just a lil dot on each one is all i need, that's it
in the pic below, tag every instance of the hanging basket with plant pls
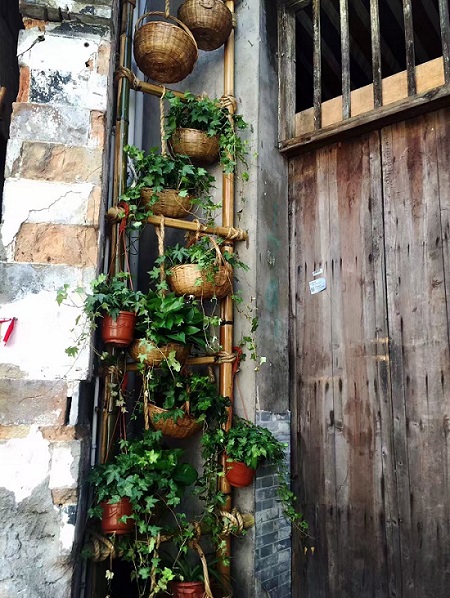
(210, 22)
(163, 185)
(165, 52)
(193, 118)
(200, 269)
(181, 403)
(170, 326)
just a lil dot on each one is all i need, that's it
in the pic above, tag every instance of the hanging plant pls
(200, 269)
(164, 185)
(212, 118)
(170, 326)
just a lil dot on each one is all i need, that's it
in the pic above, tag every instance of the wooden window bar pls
(376, 54)
(409, 46)
(445, 37)
(345, 53)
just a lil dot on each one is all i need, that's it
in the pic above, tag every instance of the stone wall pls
(53, 203)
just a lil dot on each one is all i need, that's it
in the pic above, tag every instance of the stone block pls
(97, 133)
(57, 244)
(60, 163)
(26, 402)
(95, 11)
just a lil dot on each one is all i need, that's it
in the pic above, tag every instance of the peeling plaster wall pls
(50, 235)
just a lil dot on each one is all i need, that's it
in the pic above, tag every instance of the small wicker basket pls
(183, 427)
(188, 279)
(141, 350)
(196, 144)
(210, 21)
(169, 203)
(164, 52)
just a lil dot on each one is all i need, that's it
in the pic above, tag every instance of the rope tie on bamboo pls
(233, 523)
(225, 357)
(161, 123)
(228, 101)
(101, 546)
(145, 378)
(235, 234)
(160, 233)
(167, 3)
(123, 72)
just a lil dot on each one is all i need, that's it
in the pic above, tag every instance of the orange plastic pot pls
(111, 515)
(238, 474)
(188, 589)
(119, 332)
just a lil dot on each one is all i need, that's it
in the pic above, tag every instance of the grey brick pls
(266, 550)
(266, 539)
(282, 591)
(265, 493)
(265, 481)
(284, 556)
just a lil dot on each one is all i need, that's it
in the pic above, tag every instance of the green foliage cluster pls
(173, 390)
(202, 254)
(157, 172)
(253, 445)
(210, 116)
(168, 318)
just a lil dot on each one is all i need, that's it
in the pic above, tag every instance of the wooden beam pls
(429, 75)
(376, 119)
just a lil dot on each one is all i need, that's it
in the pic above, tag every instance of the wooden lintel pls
(376, 119)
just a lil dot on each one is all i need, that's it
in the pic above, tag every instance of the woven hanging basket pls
(210, 21)
(169, 203)
(196, 144)
(184, 427)
(153, 356)
(164, 52)
(188, 279)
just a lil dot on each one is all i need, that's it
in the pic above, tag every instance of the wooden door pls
(371, 378)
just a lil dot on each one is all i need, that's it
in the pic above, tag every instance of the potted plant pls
(170, 326)
(164, 185)
(114, 303)
(210, 21)
(204, 129)
(246, 446)
(189, 578)
(200, 269)
(141, 478)
(181, 403)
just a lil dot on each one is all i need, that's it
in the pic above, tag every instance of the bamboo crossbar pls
(148, 88)
(227, 232)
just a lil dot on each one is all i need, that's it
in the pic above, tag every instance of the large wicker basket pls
(164, 52)
(210, 21)
(188, 279)
(196, 144)
(141, 350)
(183, 427)
(169, 203)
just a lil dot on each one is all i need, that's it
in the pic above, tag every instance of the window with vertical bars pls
(354, 56)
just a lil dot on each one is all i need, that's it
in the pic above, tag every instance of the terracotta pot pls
(188, 589)
(238, 474)
(111, 515)
(119, 332)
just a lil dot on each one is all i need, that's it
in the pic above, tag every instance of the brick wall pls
(273, 531)
(50, 234)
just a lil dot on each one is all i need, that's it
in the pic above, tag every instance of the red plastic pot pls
(188, 589)
(111, 515)
(119, 332)
(238, 474)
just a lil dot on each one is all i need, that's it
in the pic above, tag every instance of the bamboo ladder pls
(126, 81)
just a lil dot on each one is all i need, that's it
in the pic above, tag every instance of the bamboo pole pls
(227, 232)
(227, 311)
(119, 182)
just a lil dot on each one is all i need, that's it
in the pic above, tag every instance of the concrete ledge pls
(95, 11)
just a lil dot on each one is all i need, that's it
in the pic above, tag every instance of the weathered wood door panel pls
(372, 401)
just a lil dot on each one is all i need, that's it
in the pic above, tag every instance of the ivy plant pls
(212, 117)
(157, 172)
